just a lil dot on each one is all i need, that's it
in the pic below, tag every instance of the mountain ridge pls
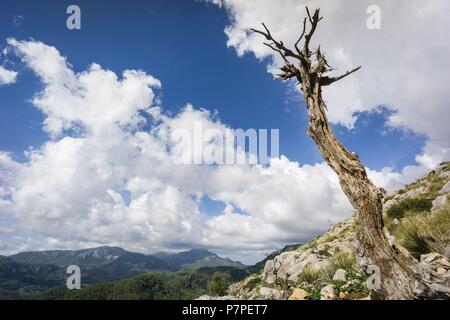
(30, 272)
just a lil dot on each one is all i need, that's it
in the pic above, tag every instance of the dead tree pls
(401, 277)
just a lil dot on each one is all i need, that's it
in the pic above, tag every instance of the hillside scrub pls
(421, 234)
(399, 210)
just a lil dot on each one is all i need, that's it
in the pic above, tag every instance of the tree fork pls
(401, 276)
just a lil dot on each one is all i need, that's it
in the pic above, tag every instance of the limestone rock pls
(327, 293)
(445, 189)
(340, 237)
(443, 262)
(445, 174)
(441, 271)
(270, 293)
(411, 193)
(340, 275)
(430, 257)
(436, 262)
(439, 202)
(389, 203)
(299, 294)
(447, 251)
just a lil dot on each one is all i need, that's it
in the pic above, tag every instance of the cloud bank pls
(107, 175)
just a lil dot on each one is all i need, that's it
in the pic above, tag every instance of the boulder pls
(291, 264)
(411, 193)
(430, 257)
(342, 295)
(340, 275)
(443, 262)
(447, 251)
(441, 271)
(299, 294)
(439, 202)
(440, 288)
(436, 261)
(316, 255)
(327, 293)
(270, 293)
(445, 174)
(388, 204)
(445, 189)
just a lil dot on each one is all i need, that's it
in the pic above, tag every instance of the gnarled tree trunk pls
(401, 277)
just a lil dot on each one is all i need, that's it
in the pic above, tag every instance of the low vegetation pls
(155, 285)
(309, 275)
(219, 283)
(344, 261)
(412, 205)
(421, 234)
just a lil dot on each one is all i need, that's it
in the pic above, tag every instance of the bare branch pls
(289, 71)
(309, 15)
(282, 54)
(301, 36)
(325, 81)
(278, 46)
(314, 20)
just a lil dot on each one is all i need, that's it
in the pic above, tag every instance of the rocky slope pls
(418, 216)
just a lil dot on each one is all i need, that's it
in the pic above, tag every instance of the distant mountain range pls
(113, 258)
(196, 258)
(35, 271)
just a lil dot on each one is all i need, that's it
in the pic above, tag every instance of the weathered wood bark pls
(401, 277)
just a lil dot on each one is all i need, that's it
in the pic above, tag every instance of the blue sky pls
(184, 44)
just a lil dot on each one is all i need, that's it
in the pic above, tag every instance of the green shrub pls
(409, 205)
(436, 184)
(412, 239)
(218, 284)
(344, 261)
(309, 275)
(314, 291)
(425, 233)
(253, 283)
(355, 286)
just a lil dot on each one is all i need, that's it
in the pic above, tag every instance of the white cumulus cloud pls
(7, 76)
(102, 178)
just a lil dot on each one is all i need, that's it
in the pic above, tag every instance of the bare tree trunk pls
(401, 277)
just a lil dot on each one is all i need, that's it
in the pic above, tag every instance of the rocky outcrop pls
(439, 202)
(299, 294)
(340, 275)
(327, 293)
(325, 267)
(314, 255)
